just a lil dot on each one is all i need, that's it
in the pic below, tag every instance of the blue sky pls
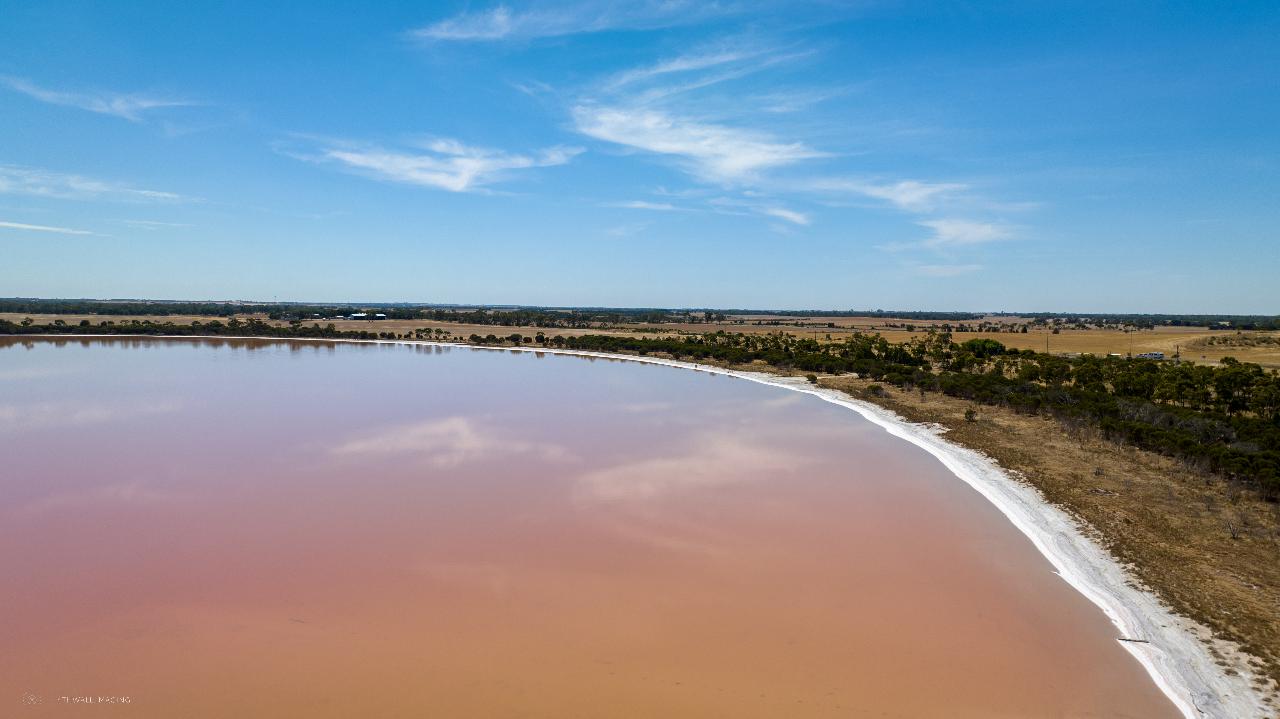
(949, 155)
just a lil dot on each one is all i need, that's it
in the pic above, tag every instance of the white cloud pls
(446, 443)
(153, 224)
(492, 24)
(447, 164)
(689, 62)
(712, 152)
(954, 232)
(909, 195)
(798, 218)
(58, 415)
(787, 101)
(44, 183)
(626, 230)
(704, 68)
(501, 22)
(645, 205)
(658, 108)
(43, 228)
(944, 270)
(749, 204)
(128, 106)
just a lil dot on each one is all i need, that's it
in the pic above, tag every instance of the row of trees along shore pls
(552, 317)
(1224, 419)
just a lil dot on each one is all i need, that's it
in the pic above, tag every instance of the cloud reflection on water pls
(60, 414)
(447, 442)
(133, 492)
(712, 460)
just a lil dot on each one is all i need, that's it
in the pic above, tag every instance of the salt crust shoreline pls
(1168, 647)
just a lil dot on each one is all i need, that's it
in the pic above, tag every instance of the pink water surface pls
(256, 529)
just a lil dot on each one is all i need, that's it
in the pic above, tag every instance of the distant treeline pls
(514, 317)
(517, 316)
(1239, 322)
(233, 327)
(878, 314)
(122, 307)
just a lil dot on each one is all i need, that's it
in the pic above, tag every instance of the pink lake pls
(275, 529)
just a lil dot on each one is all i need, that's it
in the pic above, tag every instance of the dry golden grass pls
(1189, 341)
(1169, 340)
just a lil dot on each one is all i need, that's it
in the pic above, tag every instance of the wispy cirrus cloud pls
(944, 270)
(752, 204)
(154, 224)
(22, 226)
(788, 101)
(658, 108)
(501, 22)
(441, 163)
(130, 106)
(949, 236)
(645, 205)
(691, 108)
(58, 415)
(699, 60)
(711, 151)
(18, 180)
(782, 213)
(908, 195)
(492, 24)
(703, 67)
(952, 232)
(626, 230)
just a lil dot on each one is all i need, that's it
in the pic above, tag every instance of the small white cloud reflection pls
(494, 578)
(447, 443)
(646, 407)
(57, 415)
(117, 494)
(786, 399)
(714, 460)
(29, 373)
(667, 534)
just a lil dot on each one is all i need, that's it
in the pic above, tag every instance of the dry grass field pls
(1190, 342)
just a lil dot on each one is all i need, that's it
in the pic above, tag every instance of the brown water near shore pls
(257, 529)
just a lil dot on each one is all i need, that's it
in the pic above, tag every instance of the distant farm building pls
(1151, 355)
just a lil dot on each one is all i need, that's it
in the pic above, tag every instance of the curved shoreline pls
(1168, 646)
